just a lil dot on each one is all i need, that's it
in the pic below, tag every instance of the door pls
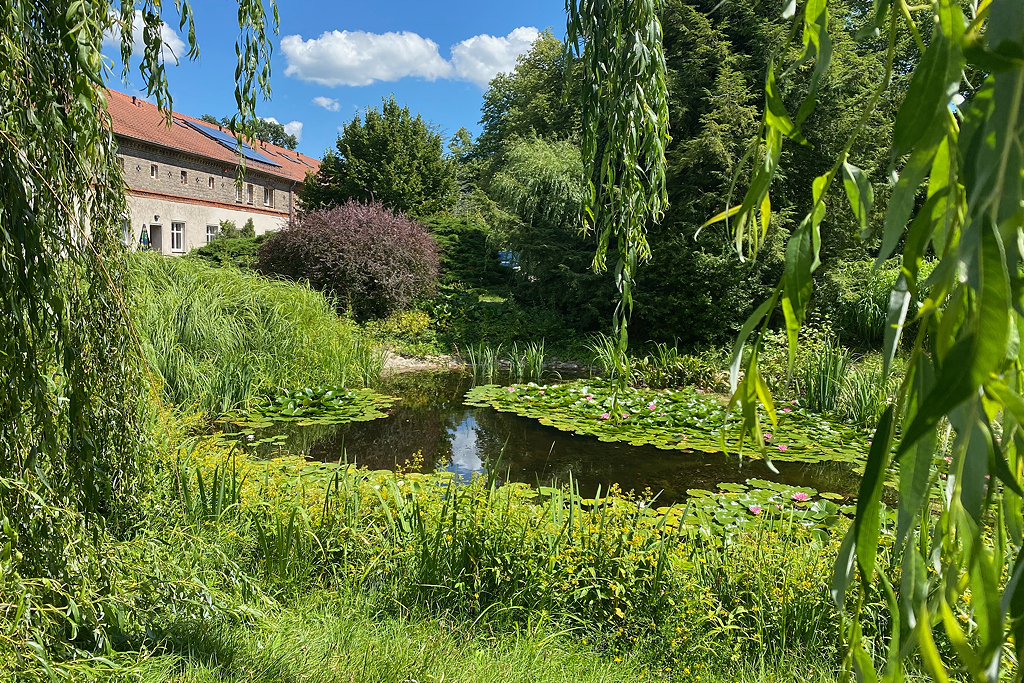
(156, 238)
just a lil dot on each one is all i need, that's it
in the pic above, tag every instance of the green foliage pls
(248, 230)
(264, 130)
(625, 131)
(389, 157)
(531, 100)
(222, 338)
(229, 251)
(540, 187)
(854, 298)
(467, 255)
(671, 419)
(966, 365)
(484, 360)
(74, 417)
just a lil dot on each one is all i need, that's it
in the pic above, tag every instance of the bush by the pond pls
(219, 338)
(370, 258)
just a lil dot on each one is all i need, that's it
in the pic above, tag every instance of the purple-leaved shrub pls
(371, 259)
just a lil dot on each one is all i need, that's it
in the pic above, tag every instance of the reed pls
(484, 360)
(824, 377)
(219, 338)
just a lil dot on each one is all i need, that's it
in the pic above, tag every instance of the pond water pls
(430, 429)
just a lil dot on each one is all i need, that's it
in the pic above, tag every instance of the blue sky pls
(434, 56)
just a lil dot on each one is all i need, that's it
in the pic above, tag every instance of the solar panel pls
(231, 143)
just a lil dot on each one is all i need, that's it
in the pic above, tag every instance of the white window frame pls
(154, 171)
(238, 194)
(177, 236)
(248, 193)
(126, 233)
(211, 232)
(268, 196)
(209, 183)
(184, 177)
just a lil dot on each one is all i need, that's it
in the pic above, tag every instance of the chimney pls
(133, 99)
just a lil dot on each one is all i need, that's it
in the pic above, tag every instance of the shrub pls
(854, 298)
(230, 251)
(373, 260)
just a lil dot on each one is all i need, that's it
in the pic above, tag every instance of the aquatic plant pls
(323, 405)
(671, 419)
(484, 361)
(824, 377)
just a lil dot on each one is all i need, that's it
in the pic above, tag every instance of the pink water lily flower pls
(605, 416)
(787, 410)
(801, 497)
(767, 436)
(651, 406)
(624, 415)
(512, 389)
(756, 509)
(783, 446)
(541, 392)
(589, 397)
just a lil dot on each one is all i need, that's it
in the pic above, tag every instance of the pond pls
(430, 428)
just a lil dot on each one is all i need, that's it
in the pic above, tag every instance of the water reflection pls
(430, 429)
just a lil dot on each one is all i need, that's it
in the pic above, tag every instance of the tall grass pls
(221, 337)
(526, 363)
(824, 378)
(484, 360)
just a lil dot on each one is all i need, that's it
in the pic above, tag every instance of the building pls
(181, 178)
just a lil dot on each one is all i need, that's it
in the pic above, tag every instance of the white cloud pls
(327, 103)
(174, 47)
(481, 58)
(294, 128)
(291, 128)
(360, 58)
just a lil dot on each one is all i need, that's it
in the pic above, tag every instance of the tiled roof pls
(138, 119)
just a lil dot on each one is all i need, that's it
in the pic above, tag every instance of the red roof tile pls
(140, 120)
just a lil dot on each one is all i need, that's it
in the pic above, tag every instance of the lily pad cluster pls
(324, 405)
(672, 419)
(734, 506)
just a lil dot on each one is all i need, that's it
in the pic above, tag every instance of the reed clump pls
(218, 338)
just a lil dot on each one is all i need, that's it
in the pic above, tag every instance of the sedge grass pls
(220, 337)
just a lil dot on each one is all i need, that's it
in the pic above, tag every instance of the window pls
(238, 193)
(153, 171)
(184, 177)
(211, 232)
(177, 237)
(248, 193)
(120, 160)
(126, 232)
(209, 184)
(268, 196)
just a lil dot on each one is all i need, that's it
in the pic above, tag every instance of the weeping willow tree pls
(625, 131)
(957, 197)
(73, 435)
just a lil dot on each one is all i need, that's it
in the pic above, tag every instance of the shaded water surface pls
(429, 429)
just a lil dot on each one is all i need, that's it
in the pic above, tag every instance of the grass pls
(218, 338)
(337, 637)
